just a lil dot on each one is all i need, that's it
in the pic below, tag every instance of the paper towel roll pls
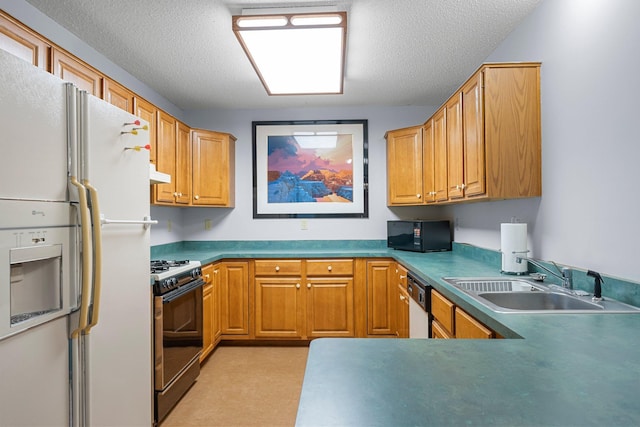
(513, 238)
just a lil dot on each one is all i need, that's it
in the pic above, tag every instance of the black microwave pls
(419, 236)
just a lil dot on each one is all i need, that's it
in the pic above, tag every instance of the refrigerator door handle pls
(97, 256)
(146, 221)
(87, 270)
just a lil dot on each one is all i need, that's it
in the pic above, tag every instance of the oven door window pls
(181, 333)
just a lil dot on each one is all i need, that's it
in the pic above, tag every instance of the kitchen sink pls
(520, 295)
(538, 301)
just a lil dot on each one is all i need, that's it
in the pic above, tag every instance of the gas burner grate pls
(158, 266)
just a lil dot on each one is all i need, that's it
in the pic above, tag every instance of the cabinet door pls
(381, 292)
(207, 322)
(440, 155)
(166, 157)
(330, 311)
(183, 165)
(429, 163)
(215, 295)
(404, 166)
(147, 111)
(279, 307)
(213, 171)
(207, 312)
(72, 70)
(473, 134)
(402, 314)
(468, 327)
(118, 95)
(234, 298)
(23, 43)
(455, 171)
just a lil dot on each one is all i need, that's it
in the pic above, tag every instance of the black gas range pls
(168, 275)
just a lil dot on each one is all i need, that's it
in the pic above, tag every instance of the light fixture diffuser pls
(295, 54)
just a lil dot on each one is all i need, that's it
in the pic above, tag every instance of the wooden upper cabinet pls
(455, 175)
(147, 111)
(213, 168)
(440, 155)
(70, 69)
(166, 158)
(24, 43)
(428, 163)
(512, 130)
(118, 95)
(404, 166)
(183, 164)
(486, 140)
(473, 133)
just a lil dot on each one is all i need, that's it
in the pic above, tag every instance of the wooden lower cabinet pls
(381, 293)
(450, 321)
(402, 312)
(279, 307)
(210, 309)
(330, 310)
(304, 299)
(468, 327)
(234, 299)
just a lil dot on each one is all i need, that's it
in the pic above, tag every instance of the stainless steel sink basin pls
(520, 295)
(538, 301)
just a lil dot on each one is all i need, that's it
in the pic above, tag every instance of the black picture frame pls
(335, 199)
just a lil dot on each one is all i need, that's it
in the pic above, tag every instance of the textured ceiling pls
(399, 52)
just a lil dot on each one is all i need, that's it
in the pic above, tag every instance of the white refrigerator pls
(75, 294)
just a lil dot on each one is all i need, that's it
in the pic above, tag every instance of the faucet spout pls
(566, 274)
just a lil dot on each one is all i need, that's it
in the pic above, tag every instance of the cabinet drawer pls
(468, 327)
(207, 274)
(437, 331)
(280, 267)
(333, 267)
(443, 311)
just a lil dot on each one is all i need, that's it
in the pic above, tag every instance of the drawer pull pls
(297, 285)
(308, 285)
(329, 268)
(277, 268)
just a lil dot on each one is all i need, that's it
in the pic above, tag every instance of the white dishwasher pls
(419, 304)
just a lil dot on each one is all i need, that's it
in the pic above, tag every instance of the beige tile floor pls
(244, 386)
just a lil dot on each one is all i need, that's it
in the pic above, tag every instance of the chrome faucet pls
(566, 274)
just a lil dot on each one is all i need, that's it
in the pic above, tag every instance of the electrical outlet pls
(169, 225)
(207, 224)
(304, 225)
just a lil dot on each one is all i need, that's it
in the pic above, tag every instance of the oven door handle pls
(182, 290)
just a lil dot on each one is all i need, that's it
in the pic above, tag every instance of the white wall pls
(588, 215)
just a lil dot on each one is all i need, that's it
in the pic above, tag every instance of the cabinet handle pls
(196, 197)
(308, 285)
(329, 268)
(403, 277)
(206, 277)
(432, 193)
(175, 194)
(297, 285)
(402, 297)
(277, 268)
(418, 196)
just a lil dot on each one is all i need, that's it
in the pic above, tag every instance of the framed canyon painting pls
(310, 169)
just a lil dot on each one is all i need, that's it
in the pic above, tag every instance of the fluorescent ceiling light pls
(295, 54)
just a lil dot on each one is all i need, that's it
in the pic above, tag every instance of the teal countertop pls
(559, 370)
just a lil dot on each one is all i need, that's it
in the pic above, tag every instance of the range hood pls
(156, 177)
